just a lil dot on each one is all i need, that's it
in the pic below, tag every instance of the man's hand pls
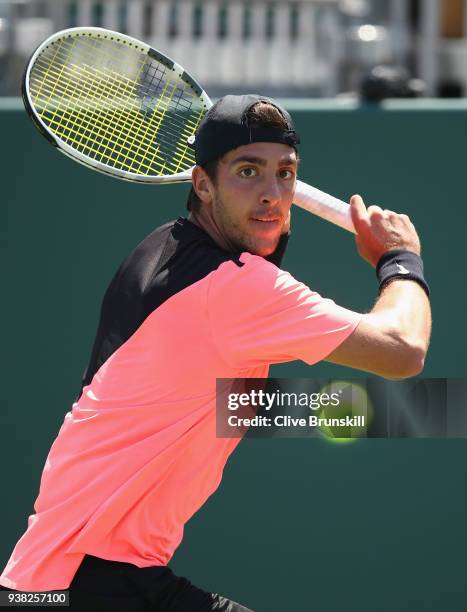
(379, 231)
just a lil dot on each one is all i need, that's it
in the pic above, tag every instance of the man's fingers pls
(376, 211)
(358, 212)
(378, 230)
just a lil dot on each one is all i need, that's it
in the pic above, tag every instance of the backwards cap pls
(225, 127)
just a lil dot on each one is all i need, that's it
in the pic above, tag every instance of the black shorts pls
(112, 586)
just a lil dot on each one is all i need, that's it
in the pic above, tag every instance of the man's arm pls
(391, 340)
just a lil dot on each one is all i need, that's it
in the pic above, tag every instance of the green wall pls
(296, 524)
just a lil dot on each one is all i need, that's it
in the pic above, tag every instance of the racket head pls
(115, 104)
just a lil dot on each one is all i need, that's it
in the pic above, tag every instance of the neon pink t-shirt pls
(137, 455)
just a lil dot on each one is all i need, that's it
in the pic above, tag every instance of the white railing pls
(286, 46)
(235, 43)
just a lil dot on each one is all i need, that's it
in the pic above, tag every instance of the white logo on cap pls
(191, 139)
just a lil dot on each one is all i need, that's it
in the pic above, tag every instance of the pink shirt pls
(137, 455)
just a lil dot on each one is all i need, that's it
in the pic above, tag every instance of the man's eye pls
(248, 172)
(286, 174)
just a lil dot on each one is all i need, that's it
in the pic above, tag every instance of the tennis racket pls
(122, 108)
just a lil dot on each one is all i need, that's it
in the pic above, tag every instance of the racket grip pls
(323, 205)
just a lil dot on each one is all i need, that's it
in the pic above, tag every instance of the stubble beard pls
(238, 238)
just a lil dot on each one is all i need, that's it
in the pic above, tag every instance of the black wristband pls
(403, 265)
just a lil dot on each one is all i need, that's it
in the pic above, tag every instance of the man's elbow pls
(409, 362)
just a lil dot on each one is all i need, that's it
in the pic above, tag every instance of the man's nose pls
(271, 193)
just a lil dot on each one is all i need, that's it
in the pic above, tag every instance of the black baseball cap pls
(225, 127)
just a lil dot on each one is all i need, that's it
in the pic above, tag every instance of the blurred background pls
(304, 48)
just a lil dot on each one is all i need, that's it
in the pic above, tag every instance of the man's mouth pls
(266, 219)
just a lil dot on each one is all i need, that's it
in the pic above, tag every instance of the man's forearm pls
(391, 340)
(406, 305)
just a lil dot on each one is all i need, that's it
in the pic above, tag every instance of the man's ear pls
(202, 185)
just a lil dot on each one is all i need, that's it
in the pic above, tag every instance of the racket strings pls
(83, 127)
(120, 103)
(78, 97)
(116, 105)
(134, 134)
(110, 85)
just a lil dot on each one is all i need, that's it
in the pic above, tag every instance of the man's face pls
(252, 197)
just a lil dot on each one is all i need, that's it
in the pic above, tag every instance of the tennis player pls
(200, 298)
